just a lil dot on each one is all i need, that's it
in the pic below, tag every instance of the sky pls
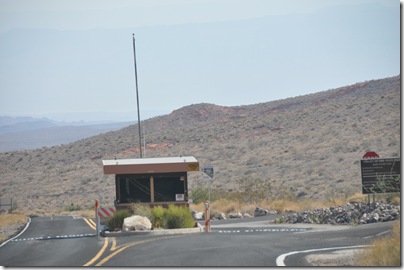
(73, 60)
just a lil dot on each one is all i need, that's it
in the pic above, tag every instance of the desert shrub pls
(115, 222)
(157, 218)
(73, 207)
(392, 198)
(13, 208)
(253, 190)
(226, 205)
(199, 195)
(357, 197)
(384, 251)
(177, 217)
(141, 210)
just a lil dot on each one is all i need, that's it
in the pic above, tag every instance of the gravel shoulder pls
(344, 257)
(265, 223)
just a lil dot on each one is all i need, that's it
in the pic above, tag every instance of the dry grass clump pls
(384, 252)
(295, 205)
(281, 205)
(12, 221)
(357, 197)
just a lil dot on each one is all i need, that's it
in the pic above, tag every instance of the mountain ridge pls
(24, 133)
(306, 147)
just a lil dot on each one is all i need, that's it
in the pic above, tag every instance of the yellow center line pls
(92, 222)
(123, 247)
(89, 224)
(99, 254)
(113, 247)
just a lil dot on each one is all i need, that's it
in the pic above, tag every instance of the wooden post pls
(151, 189)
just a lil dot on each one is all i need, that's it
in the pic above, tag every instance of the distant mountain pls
(23, 133)
(305, 147)
(18, 124)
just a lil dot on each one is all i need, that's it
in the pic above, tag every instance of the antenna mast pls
(137, 97)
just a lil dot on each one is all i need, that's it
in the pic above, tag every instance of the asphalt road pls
(71, 241)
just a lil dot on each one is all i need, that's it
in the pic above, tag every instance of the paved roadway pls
(71, 241)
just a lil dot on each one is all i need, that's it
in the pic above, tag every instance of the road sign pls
(371, 155)
(208, 172)
(380, 175)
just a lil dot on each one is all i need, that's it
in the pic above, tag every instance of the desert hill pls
(306, 146)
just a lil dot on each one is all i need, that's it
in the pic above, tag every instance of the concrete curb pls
(153, 232)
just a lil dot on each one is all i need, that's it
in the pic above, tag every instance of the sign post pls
(207, 217)
(208, 174)
(97, 219)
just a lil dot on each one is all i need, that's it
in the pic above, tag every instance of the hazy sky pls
(73, 60)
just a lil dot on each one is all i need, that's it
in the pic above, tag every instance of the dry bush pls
(10, 219)
(227, 206)
(280, 205)
(357, 197)
(384, 252)
(9, 223)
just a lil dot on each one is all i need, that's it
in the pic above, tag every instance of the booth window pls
(135, 188)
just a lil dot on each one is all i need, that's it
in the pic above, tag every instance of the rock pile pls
(355, 213)
(220, 215)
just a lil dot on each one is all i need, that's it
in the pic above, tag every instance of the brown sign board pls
(380, 175)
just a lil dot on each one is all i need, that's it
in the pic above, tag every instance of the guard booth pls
(152, 181)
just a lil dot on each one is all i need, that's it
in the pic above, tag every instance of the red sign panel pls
(371, 155)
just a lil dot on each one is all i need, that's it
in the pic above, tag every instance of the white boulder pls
(136, 223)
(198, 216)
(235, 215)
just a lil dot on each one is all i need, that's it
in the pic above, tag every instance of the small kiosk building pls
(153, 181)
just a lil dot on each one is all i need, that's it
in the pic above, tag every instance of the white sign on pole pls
(208, 172)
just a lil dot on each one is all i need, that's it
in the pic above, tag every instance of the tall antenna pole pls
(137, 96)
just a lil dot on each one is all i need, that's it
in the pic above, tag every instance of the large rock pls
(260, 212)
(198, 215)
(235, 215)
(220, 215)
(136, 223)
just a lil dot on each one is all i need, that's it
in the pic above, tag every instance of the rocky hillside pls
(307, 146)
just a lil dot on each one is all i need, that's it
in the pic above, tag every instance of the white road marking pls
(54, 237)
(296, 230)
(280, 260)
(379, 234)
(11, 239)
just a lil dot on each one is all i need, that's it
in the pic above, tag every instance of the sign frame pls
(381, 175)
(208, 172)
